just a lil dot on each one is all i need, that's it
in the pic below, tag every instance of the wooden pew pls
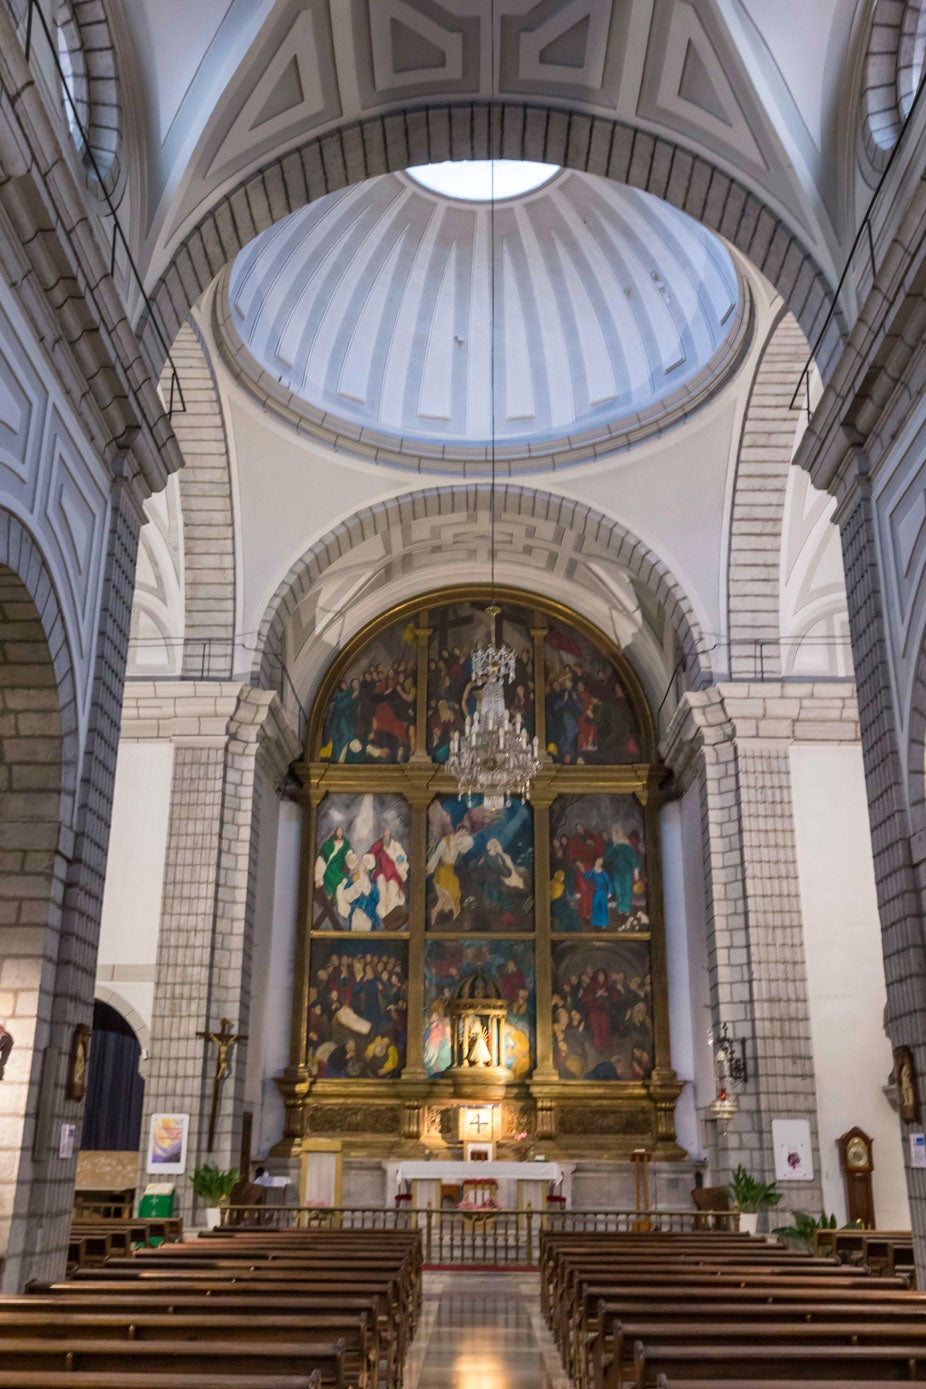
(113, 1379)
(722, 1363)
(175, 1357)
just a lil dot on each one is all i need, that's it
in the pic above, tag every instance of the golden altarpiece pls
(408, 891)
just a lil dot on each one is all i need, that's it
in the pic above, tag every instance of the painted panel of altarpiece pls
(480, 869)
(511, 963)
(602, 1010)
(358, 1009)
(457, 629)
(589, 719)
(597, 864)
(371, 715)
(360, 874)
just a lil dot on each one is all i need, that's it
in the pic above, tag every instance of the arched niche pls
(407, 888)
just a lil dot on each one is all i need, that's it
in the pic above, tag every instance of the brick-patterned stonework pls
(208, 520)
(900, 897)
(509, 130)
(765, 451)
(222, 733)
(733, 742)
(590, 532)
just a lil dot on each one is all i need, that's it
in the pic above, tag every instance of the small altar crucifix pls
(224, 1040)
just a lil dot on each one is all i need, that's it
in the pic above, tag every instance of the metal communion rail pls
(490, 1238)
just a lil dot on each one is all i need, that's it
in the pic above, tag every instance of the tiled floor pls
(483, 1331)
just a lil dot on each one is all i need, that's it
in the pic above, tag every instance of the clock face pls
(856, 1153)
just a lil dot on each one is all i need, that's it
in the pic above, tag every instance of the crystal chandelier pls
(493, 757)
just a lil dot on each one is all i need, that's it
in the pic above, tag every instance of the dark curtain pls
(115, 1090)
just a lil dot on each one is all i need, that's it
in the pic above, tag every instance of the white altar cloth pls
(507, 1174)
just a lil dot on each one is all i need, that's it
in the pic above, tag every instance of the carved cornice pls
(881, 374)
(50, 254)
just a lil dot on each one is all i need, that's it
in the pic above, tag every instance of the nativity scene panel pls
(480, 868)
(362, 866)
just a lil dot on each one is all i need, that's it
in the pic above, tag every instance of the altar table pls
(520, 1184)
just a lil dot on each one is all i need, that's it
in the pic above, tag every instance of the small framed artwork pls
(479, 1152)
(78, 1063)
(167, 1143)
(908, 1095)
(793, 1151)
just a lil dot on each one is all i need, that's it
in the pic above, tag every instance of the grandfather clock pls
(855, 1156)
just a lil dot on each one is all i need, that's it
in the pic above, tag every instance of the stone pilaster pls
(41, 1214)
(224, 735)
(900, 900)
(733, 742)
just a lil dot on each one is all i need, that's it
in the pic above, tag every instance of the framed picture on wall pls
(78, 1062)
(908, 1099)
(167, 1143)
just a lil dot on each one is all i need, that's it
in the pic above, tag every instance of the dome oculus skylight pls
(481, 180)
(369, 318)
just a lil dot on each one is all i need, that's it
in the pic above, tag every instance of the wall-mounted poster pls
(456, 630)
(167, 1143)
(602, 1010)
(480, 869)
(361, 863)
(358, 1009)
(597, 864)
(793, 1150)
(589, 719)
(371, 715)
(511, 963)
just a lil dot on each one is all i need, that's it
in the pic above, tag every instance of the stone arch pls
(206, 513)
(594, 535)
(39, 750)
(611, 148)
(764, 457)
(136, 1022)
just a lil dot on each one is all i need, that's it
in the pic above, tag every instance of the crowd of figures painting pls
(477, 876)
(372, 712)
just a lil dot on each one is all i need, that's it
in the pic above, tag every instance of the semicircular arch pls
(613, 149)
(550, 539)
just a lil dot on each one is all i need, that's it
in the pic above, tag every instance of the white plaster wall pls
(262, 1004)
(679, 969)
(845, 972)
(274, 1031)
(135, 875)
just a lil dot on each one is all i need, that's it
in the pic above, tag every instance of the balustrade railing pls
(487, 1238)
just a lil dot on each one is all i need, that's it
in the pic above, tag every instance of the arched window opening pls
(115, 1090)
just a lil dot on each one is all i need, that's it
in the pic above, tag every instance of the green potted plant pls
(215, 1187)
(750, 1196)
(805, 1227)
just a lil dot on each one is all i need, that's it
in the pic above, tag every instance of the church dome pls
(365, 318)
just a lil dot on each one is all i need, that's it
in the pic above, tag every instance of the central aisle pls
(483, 1331)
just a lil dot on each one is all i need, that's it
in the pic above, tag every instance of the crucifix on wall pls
(223, 1041)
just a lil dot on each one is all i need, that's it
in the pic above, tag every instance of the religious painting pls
(597, 864)
(480, 867)
(602, 1010)
(360, 874)
(167, 1143)
(358, 1009)
(511, 964)
(589, 719)
(371, 716)
(455, 630)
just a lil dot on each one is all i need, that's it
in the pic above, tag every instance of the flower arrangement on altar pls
(478, 1206)
(522, 1146)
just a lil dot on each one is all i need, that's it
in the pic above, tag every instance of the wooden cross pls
(223, 1040)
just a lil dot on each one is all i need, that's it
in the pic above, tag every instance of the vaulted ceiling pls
(759, 89)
